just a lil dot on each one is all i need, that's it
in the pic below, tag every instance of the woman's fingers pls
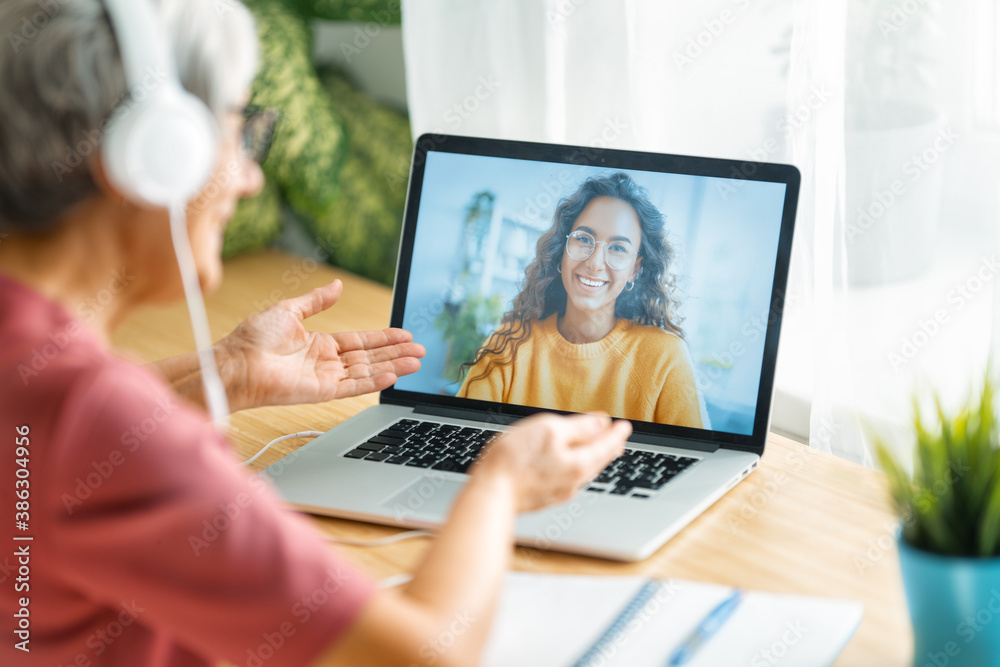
(592, 441)
(550, 457)
(603, 447)
(315, 301)
(349, 341)
(398, 367)
(365, 385)
(581, 428)
(383, 354)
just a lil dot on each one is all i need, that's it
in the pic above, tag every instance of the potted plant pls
(465, 326)
(893, 125)
(949, 545)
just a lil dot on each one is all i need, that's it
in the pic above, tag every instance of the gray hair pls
(61, 78)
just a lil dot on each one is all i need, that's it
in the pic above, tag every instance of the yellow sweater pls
(636, 372)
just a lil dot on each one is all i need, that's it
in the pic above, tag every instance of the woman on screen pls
(595, 325)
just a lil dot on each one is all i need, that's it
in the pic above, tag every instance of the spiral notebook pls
(577, 620)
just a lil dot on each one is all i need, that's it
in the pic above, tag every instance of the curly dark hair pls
(651, 301)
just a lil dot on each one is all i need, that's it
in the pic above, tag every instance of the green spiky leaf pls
(950, 504)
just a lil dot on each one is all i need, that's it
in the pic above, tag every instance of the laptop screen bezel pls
(612, 159)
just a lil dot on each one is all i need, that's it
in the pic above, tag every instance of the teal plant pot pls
(954, 607)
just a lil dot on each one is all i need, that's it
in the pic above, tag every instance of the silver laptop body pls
(333, 476)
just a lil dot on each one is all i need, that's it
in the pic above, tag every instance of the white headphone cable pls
(215, 391)
(301, 434)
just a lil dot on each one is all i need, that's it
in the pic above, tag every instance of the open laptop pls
(475, 211)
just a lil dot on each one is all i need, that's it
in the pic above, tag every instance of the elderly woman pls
(594, 325)
(121, 567)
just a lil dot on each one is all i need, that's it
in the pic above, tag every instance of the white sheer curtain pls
(889, 109)
(589, 72)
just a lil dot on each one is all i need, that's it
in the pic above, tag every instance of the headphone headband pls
(160, 148)
(143, 49)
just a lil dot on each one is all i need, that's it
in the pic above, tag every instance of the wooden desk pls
(805, 522)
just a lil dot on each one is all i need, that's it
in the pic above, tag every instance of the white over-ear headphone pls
(159, 150)
(161, 144)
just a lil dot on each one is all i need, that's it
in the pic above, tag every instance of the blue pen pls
(707, 628)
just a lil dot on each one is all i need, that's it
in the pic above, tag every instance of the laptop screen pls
(574, 286)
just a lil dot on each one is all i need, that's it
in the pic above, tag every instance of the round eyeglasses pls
(259, 125)
(580, 246)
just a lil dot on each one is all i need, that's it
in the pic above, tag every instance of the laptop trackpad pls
(429, 496)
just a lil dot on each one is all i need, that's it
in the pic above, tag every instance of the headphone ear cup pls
(161, 150)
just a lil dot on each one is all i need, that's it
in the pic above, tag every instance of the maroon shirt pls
(142, 541)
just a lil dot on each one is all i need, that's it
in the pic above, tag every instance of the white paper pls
(551, 620)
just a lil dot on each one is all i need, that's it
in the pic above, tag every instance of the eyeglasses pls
(580, 246)
(259, 125)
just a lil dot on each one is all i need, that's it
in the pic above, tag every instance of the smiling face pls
(592, 287)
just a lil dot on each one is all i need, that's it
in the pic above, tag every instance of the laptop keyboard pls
(425, 445)
(639, 473)
(422, 444)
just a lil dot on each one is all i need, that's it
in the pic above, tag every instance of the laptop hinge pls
(493, 417)
(666, 441)
(471, 415)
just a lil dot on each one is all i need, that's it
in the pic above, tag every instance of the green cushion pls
(309, 147)
(340, 160)
(361, 230)
(385, 12)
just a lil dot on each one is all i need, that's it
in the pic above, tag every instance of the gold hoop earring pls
(629, 285)
(559, 268)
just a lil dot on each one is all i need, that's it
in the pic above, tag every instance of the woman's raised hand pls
(548, 458)
(271, 359)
